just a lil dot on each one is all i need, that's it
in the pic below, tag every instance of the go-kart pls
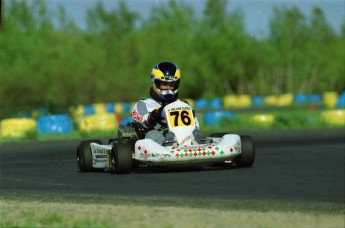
(131, 149)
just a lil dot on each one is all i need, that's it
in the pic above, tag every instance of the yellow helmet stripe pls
(157, 73)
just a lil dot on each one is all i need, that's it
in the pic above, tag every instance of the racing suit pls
(141, 112)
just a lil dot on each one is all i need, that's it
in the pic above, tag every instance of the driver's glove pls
(154, 117)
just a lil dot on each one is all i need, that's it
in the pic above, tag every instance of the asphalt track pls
(301, 166)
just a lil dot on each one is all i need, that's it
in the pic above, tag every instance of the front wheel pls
(84, 155)
(247, 156)
(121, 158)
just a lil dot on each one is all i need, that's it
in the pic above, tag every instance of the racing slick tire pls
(121, 158)
(247, 156)
(84, 156)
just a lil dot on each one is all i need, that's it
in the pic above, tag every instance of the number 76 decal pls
(181, 118)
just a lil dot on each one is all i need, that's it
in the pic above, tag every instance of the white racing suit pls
(140, 114)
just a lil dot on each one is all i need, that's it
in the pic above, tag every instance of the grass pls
(130, 213)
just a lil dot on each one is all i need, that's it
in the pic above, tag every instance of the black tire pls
(247, 156)
(121, 158)
(84, 156)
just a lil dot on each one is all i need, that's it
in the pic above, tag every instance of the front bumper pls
(224, 149)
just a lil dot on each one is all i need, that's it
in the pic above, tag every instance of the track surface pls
(293, 166)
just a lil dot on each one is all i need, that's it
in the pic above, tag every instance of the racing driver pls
(165, 78)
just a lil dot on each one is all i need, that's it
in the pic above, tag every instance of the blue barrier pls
(258, 100)
(216, 103)
(110, 107)
(89, 110)
(215, 117)
(127, 120)
(126, 107)
(315, 98)
(56, 124)
(341, 100)
(301, 98)
(201, 104)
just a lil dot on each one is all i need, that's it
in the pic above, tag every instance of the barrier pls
(341, 101)
(229, 101)
(126, 107)
(263, 119)
(127, 120)
(301, 98)
(99, 108)
(270, 100)
(215, 117)
(216, 103)
(243, 101)
(330, 99)
(336, 117)
(285, 99)
(102, 122)
(258, 100)
(110, 107)
(233, 101)
(55, 124)
(89, 110)
(118, 108)
(17, 127)
(201, 104)
(315, 98)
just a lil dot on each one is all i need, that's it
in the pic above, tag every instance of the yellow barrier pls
(240, 101)
(99, 108)
(118, 107)
(271, 100)
(229, 101)
(263, 119)
(330, 99)
(77, 113)
(244, 101)
(285, 99)
(336, 117)
(17, 127)
(102, 122)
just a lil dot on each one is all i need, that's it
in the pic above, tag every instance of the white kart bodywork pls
(184, 150)
(180, 121)
(221, 149)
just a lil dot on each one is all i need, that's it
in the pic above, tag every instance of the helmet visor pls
(164, 85)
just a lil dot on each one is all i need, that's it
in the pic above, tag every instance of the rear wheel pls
(247, 156)
(84, 155)
(121, 158)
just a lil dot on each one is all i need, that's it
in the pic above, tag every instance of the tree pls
(288, 35)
